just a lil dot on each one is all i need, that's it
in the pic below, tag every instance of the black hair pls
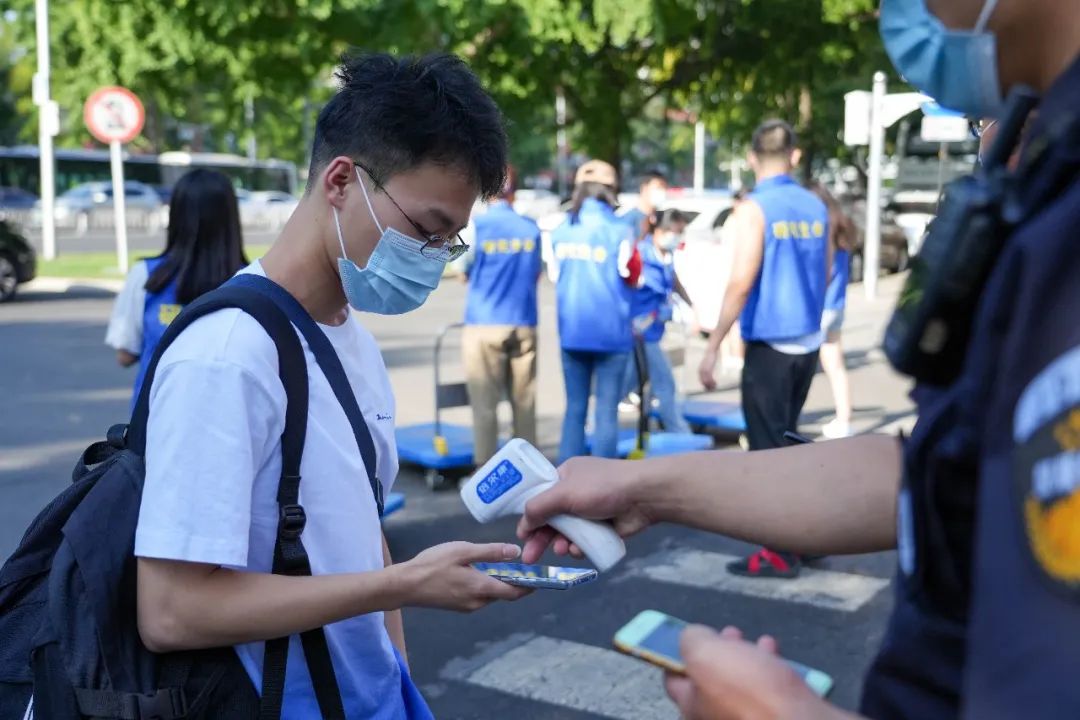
(509, 186)
(664, 220)
(393, 114)
(841, 227)
(740, 194)
(652, 175)
(774, 139)
(204, 245)
(598, 191)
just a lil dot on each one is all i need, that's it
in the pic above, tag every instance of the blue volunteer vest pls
(651, 303)
(158, 311)
(593, 299)
(506, 265)
(789, 295)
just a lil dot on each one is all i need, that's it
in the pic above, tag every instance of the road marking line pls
(829, 589)
(569, 674)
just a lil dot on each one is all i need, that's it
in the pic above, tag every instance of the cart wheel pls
(435, 480)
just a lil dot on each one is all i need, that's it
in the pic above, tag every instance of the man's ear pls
(796, 157)
(335, 178)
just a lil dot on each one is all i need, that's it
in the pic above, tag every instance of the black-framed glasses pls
(434, 244)
(979, 127)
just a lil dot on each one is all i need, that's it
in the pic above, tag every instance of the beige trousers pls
(500, 360)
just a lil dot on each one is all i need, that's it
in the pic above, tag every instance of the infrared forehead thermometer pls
(517, 473)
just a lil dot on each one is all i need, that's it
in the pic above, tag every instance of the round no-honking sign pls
(114, 114)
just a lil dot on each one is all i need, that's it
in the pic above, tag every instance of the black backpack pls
(68, 630)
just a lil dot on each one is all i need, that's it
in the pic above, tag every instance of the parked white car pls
(265, 209)
(703, 263)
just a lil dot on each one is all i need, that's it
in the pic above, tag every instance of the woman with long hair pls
(841, 242)
(204, 248)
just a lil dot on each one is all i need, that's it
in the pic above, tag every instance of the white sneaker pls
(630, 403)
(835, 429)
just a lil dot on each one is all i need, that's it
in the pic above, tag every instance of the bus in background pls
(19, 168)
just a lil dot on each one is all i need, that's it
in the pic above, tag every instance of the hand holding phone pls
(655, 637)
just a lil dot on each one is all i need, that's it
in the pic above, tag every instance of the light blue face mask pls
(957, 68)
(399, 275)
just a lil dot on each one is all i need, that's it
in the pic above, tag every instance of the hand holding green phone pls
(654, 637)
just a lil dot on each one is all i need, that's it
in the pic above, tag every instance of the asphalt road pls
(548, 656)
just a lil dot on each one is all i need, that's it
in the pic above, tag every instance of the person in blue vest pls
(598, 267)
(499, 341)
(982, 501)
(651, 309)
(777, 291)
(203, 249)
(841, 238)
(652, 194)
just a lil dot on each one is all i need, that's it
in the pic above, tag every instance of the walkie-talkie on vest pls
(928, 334)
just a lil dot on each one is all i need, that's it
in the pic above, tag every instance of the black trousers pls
(774, 389)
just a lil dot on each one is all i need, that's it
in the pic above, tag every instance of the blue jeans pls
(661, 387)
(580, 368)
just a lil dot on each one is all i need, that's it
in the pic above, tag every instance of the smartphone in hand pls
(538, 576)
(653, 637)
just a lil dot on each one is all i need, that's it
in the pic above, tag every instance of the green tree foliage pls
(621, 65)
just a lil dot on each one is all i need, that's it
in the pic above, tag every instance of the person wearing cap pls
(598, 268)
(499, 341)
(777, 291)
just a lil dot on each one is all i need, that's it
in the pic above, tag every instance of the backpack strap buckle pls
(165, 704)
(291, 521)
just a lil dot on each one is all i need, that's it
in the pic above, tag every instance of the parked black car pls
(18, 262)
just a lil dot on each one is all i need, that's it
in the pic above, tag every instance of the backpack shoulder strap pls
(290, 557)
(331, 366)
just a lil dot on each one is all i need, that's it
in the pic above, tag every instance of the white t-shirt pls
(213, 461)
(126, 324)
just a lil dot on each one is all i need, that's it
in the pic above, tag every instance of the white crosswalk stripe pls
(606, 683)
(708, 570)
(576, 676)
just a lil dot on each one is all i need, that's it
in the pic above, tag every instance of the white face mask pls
(670, 241)
(657, 197)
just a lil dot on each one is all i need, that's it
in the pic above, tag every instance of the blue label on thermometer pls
(498, 481)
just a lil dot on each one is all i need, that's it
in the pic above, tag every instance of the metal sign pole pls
(46, 129)
(872, 242)
(116, 160)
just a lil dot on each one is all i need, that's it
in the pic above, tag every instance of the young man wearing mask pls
(652, 193)
(982, 500)
(400, 155)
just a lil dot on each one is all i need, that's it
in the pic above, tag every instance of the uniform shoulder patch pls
(1046, 468)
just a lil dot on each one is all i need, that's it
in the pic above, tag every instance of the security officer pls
(598, 265)
(987, 520)
(499, 341)
(777, 292)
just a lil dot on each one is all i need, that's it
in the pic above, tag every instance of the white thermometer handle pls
(599, 541)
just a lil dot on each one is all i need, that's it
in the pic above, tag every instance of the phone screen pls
(664, 640)
(538, 576)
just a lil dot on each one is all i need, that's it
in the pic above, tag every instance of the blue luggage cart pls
(437, 447)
